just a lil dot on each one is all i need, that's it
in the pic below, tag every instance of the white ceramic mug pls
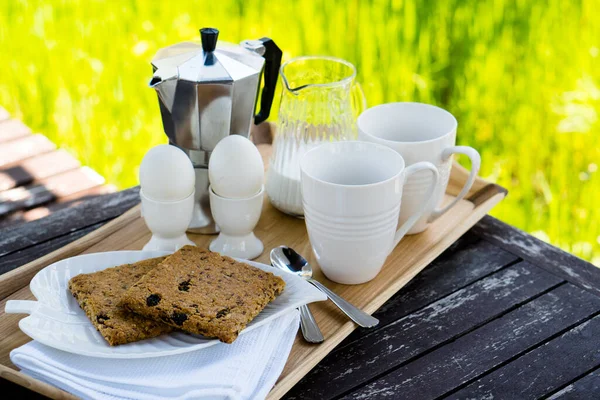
(351, 194)
(419, 132)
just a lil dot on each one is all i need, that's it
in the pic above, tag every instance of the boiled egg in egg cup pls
(167, 182)
(236, 175)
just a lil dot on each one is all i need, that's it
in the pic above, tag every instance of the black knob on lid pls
(209, 39)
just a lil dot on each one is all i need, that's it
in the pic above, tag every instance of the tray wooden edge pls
(487, 192)
(19, 378)
(484, 200)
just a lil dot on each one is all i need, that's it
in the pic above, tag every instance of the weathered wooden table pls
(498, 315)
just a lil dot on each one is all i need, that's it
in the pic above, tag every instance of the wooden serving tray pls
(128, 232)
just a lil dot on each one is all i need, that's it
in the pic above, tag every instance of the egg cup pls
(168, 221)
(237, 218)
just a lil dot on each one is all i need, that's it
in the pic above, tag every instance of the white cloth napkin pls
(246, 369)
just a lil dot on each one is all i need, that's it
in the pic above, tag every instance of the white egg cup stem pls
(237, 219)
(168, 221)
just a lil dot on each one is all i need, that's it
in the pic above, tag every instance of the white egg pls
(167, 174)
(235, 169)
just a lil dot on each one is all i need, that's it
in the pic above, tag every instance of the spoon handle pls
(360, 317)
(309, 327)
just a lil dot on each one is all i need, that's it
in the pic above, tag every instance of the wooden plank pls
(22, 257)
(465, 262)
(24, 197)
(20, 149)
(12, 129)
(472, 355)
(49, 189)
(36, 168)
(14, 176)
(81, 196)
(423, 330)
(542, 254)
(72, 182)
(587, 387)
(23, 216)
(543, 369)
(68, 220)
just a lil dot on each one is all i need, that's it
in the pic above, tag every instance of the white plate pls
(57, 321)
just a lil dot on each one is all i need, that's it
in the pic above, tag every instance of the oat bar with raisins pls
(99, 295)
(205, 293)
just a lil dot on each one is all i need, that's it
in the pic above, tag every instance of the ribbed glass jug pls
(320, 101)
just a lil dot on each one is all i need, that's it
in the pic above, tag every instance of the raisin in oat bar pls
(99, 295)
(202, 292)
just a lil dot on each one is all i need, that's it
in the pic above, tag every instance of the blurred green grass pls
(522, 77)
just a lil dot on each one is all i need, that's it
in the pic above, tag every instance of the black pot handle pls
(272, 58)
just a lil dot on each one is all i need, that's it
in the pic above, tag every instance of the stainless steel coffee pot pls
(207, 92)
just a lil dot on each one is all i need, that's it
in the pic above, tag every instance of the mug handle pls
(423, 165)
(475, 164)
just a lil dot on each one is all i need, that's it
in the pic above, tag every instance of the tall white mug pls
(419, 132)
(351, 195)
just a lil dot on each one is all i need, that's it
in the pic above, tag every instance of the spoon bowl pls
(289, 260)
(308, 325)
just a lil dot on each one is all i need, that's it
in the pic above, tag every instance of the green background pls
(521, 76)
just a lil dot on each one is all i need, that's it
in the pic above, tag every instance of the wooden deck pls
(36, 178)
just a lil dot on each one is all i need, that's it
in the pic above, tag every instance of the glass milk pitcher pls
(320, 102)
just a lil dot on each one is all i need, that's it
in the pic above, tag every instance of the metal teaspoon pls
(287, 259)
(308, 325)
